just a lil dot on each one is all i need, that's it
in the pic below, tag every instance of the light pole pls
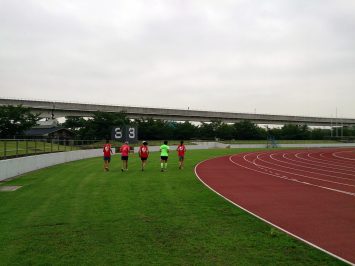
(336, 121)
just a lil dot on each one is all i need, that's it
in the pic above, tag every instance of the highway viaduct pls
(64, 109)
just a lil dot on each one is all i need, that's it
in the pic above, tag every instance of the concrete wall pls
(217, 145)
(305, 145)
(17, 166)
(14, 167)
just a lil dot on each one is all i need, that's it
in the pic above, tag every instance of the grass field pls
(12, 148)
(77, 214)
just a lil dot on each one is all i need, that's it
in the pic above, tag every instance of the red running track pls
(309, 194)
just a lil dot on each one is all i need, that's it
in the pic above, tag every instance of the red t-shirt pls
(143, 151)
(107, 150)
(181, 150)
(124, 150)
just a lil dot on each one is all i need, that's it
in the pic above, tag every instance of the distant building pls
(49, 129)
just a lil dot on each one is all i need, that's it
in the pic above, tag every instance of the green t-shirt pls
(164, 150)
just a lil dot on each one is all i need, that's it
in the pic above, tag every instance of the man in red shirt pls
(124, 156)
(143, 153)
(107, 155)
(181, 149)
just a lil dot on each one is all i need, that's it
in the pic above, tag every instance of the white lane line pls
(268, 222)
(292, 173)
(292, 179)
(341, 157)
(315, 163)
(297, 155)
(272, 157)
(327, 160)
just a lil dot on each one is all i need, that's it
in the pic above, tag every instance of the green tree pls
(225, 131)
(74, 123)
(248, 130)
(101, 124)
(290, 131)
(155, 129)
(206, 131)
(14, 120)
(185, 130)
(319, 133)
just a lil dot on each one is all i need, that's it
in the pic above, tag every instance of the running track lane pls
(309, 194)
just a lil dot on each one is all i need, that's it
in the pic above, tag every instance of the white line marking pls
(268, 222)
(319, 161)
(315, 163)
(334, 162)
(306, 170)
(295, 180)
(346, 158)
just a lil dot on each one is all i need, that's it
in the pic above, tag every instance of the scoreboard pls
(125, 133)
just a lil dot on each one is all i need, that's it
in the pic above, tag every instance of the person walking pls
(143, 153)
(164, 153)
(181, 149)
(107, 155)
(124, 156)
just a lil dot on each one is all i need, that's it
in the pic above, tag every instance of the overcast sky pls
(294, 57)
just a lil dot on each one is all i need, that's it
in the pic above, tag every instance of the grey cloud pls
(226, 55)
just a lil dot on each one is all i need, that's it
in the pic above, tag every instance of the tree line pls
(14, 120)
(99, 127)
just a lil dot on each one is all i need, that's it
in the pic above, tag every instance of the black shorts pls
(181, 158)
(107, 158)
(144, 158)
(165, 158)
(124, 158)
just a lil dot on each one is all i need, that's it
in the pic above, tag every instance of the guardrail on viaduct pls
(62, 109)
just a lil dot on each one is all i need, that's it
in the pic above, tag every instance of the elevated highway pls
(63, 109)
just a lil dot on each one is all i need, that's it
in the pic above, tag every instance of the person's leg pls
(161, 165)
(108, 164)
(166, 164)
(144, 163)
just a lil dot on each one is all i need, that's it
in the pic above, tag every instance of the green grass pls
(11, 148)
(76, 214)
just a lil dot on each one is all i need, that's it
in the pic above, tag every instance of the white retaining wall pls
(217, 145)
(299, 145)
(17, 166)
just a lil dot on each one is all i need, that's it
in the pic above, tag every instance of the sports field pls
(77, 214)
(13, 147)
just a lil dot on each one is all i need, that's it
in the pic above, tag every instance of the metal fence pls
(12, 148)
